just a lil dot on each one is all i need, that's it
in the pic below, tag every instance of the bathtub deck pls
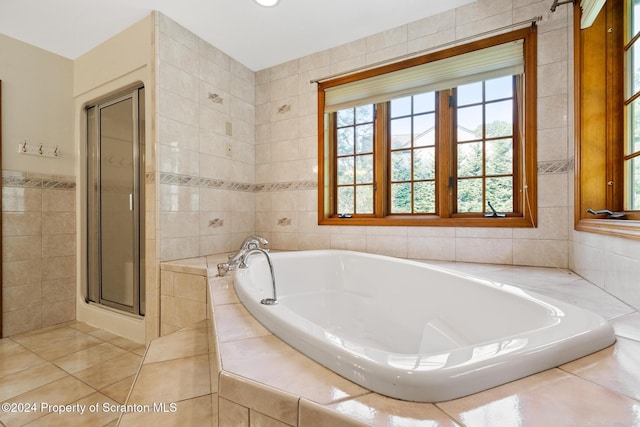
(262, 375)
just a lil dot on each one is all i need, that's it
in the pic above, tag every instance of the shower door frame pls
(93, 288)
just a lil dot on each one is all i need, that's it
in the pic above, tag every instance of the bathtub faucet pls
(265, 301)
(251, 242)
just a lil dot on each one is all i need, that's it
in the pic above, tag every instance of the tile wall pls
(39, 251)
(286, 144)
(206, 152)
(611, 263)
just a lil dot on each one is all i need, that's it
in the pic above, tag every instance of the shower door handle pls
(130, 201)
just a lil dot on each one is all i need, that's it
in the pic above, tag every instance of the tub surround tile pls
(628, 326)
(261, 420)
(376, 410)
(222, 291)
(551, 397)
(277, 404)
(234, 322)
(313, 414)
(288, 369)
(599, 377)
(616, 368)
(232, 414)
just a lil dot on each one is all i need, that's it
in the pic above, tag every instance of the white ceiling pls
(256, 36)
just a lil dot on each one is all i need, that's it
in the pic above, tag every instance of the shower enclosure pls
(115, 146)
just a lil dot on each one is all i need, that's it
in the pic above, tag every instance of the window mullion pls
(445, 172)
(381, 161)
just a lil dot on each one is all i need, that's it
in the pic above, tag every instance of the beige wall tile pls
(232, 414)
(58, 290)
(21, 297)
(485, 250)
(21, 272)
(58, 200)
(17, 199)
(20, 248)
(59, 223)
(21, 223)
(58, 312)
(59, 244)
(58, 267)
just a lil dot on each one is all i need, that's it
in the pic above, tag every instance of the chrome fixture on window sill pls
(610, 215)
(494, 213)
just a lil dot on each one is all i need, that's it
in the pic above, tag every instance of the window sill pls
(405, 221)
(628, 229)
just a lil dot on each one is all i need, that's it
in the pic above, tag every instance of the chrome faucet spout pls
(254, 241)
(237, 259)
(265, 301)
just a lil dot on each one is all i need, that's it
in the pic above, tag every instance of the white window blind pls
(590, 11)
(483, 64)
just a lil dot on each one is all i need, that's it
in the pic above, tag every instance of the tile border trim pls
(556, 166)
(195, 181)
(22, 179)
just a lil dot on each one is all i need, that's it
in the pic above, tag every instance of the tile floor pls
(69, 364)
(77, 364)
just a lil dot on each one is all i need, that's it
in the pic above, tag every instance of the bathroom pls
(231, 152)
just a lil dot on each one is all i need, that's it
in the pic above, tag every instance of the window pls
(631, 152)
(608, 119)
(442, 139)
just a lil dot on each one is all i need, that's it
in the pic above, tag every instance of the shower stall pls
(114, 219)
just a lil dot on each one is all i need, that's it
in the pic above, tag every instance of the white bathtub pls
(413, 331)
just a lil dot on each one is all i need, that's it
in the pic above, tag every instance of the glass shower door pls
(113, 203)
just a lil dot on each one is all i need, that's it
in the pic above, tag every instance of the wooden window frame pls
(525, 205)
(599, 129)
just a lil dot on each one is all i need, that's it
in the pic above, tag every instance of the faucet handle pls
(223, 269)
